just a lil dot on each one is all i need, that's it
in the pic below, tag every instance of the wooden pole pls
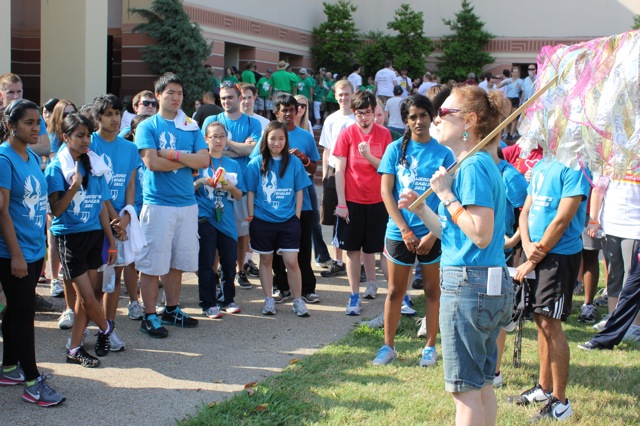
(490, 137)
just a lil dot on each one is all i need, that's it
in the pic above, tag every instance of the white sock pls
(247, 257)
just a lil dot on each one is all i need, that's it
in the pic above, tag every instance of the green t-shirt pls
(248, 77)
(319, 92)
(263, 87)
(371, 88)
(305, 85)
(231, 78)
(331, 96)
(283, 81)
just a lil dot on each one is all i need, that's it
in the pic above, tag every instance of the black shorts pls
(329, 201)
(365, 230)
(552, 291)
(80, 252)
(268, 237)
(398, 253)
(515, 102)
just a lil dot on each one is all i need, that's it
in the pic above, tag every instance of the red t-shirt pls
(523, 165)
(362, 181)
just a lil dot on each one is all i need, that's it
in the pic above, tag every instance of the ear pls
(471, 119)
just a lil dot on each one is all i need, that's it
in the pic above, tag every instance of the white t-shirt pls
(385, 79)
(332, 127)
(393, 108)
(356, 81)
(621, 208)
(263, 121)
(424, 87)
(405, 83)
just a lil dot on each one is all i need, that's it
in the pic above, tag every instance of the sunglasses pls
(229, 83)
(531, 69)
(147, 103)
(443, 112)
(302, 105)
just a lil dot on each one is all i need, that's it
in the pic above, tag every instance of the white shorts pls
(172, 239)
(259, 105)
(241, 212)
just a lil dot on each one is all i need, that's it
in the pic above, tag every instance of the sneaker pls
(242, 281)
(213, 312)
(632, 334)
(370, 292)
(335, 269)
(15, 377)
(534, 394)
(326, 264)
(43, 279)
(269, 307)
(153, 327)
(178, 318)
(42, 394)
(354, 307)
(497, 381)
(103, 342)
(65, 321)
(429, 356)
(554, 410)
(417, 284)
(422, 330)
(231, 308)
(84, 336)
(281, 296)
(385, 355)
(251, 269)
(57, 290)
(42, 305)
(363, 274)
(377, 322)
(600, 326)
(116, 343)
(300, 308)
(602, 298)
(588, 314)
(407, 306)
(589, 346)
(311, 298)
(83, 358)
(579, 288)
(135, 310)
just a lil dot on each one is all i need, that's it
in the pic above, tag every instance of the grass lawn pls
(338, 385)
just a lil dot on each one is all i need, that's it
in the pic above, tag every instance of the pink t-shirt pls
(362, 181)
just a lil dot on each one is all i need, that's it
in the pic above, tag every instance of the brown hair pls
(140, 95)
(57, 118)
(486, 106)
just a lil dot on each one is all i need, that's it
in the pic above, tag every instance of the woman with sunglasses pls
(476, 291)
(302, 116)
(23, 194)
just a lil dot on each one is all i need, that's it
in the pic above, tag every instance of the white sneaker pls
(117, 344)
(65, 321)
(407, 306)
(84, 336)
(269, 307)
(497, 381)
(370, 292)
(354, 307)
(300, 308)
(422, 331)
(377, 322)
(385, 355)
(57, 290)
(429, 356)
(600, 326)
(135, 310)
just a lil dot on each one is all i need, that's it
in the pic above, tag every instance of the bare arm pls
(325, 163)
(241, 148)
(43, 147)
(8, 232)
(299, 203)
(158, 164)
(196, 160)
(106, 228)
(250, 203)
(341, 210)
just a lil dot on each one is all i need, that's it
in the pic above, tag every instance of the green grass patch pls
(338, 385)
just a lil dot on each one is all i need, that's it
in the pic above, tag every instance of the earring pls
(465, 136)
(13, 133)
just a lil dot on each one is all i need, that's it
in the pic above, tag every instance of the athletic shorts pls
(329, 201)
(80, 252)
(552, 290)
(588, 243)
(398, 253)
(241, 213)
(515, 102)
(268, 237)
(365, 230)
(172, 239)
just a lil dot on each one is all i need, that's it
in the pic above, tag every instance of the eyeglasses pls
(147, 103)
(367, 113)
(443, 112)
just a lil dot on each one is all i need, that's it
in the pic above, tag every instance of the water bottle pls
(108, 278)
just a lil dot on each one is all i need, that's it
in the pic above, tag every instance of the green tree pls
(409, 48)
(463, 51)
(636, 22)
(376, 49)
(179, 48)
(337, 39)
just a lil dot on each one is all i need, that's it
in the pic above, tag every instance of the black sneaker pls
(534, 394)
(251, 269)
(153, 327)
(83, 358)
(590, 346)
(178, 318)
(363, 274)
(42, 305)
(281, 296)
(554, 410)
(334, 270)
(417, 284)
(242, 281)
(588, 314)
(103, 342)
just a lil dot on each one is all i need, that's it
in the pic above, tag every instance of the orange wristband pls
(407, 235)
(594, 223)
(543, 248)
(249, 218)
(456, 214)
(112, 251)
(170, 156)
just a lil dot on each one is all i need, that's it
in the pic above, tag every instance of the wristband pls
(177, 155)
(308, 162)
(594, 223)
(341, 207)
(543, 248)
(171, 154)
(407, 235)
(456, 214)
(249, 219)
(112, 251)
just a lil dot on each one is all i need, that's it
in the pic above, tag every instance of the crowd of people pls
(126, 197)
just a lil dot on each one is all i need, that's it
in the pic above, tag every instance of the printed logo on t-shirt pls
(33, 200)
(538, 201)
(140, 176)
(207, 173)
(76, 203)
(169, 143)
(408, 175)
(113, 180)
(269, 187)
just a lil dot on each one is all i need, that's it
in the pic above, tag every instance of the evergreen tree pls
(636, 22)
(463, 51)
(337, 39)
(180, 47)
(376, 49)
(410, 47)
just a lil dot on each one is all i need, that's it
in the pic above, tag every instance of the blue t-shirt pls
(174, 189)
(124, 131)
(305, 143)
(423, 160)
(275, 196)
(27, 203)
(515, 186)
(207, 196)
(139, 182)
(550, 182)
(55, 143)
(122, 158)
(477, 183)
(43, 127)
(83, 213)
(237, 130)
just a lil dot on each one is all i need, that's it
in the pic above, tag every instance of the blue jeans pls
(212, 240)
(319, 246)
(470, 321)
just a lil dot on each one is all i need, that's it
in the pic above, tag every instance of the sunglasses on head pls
(147, 103)
(443, 112)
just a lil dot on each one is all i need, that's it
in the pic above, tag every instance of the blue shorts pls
(398, 253)
(267, 237)
(470, 321)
